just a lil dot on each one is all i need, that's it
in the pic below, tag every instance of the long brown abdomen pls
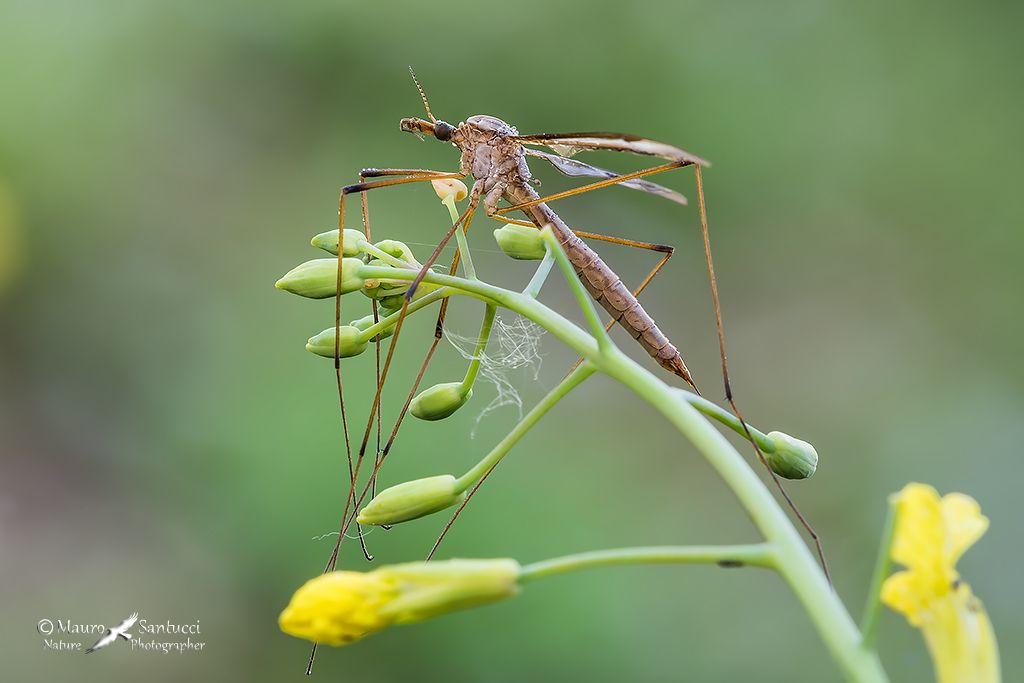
(604, 285)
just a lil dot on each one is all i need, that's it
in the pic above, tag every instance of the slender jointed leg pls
(361, 188)
(463, 222)
(728, 387)
(402, 176)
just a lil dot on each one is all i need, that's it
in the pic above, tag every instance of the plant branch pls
(481, 346)
(570, 382)
(869, 623)
(753, 555)
(794, 561)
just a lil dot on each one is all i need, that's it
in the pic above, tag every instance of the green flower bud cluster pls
(318, 279)
(389, 294)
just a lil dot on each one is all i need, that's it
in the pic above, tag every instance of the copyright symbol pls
(45, 627)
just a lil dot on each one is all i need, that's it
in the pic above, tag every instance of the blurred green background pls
(169, 447)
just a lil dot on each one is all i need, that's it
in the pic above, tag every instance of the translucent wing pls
(572, 167)
(568, 144)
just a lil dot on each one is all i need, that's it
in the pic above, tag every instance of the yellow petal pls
(964, 524)
(930, 536)
(960, 639)
(903, 592)
(919, 540)
(338, 608)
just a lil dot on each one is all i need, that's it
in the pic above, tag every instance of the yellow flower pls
(340, 607)
(930, 536)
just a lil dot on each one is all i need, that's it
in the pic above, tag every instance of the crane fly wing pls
(568, 144)
(572, 167)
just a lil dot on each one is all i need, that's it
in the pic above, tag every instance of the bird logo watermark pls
(112, 634)
(164, 637)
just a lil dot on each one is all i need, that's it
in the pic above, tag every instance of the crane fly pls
(494, 155)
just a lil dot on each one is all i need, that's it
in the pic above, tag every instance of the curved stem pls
(752, 555)
(869, 623)
(540, 276)
(572, 380)
(460, 238)
(383, 324)
(383, 256)
(727, 418)
(582, 297)
(481, 346)
(794, 561)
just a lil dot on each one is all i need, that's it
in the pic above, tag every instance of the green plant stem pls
(460, 237)
(384, 323)
(481, 346)
(883, 563)
(725, 417)
(582, 297)
(541, 276)
(753, 555)
(568, 383)
(795, 562)
(384, 256)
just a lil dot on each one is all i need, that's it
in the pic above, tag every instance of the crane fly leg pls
(728, 387)
(361, 188)
(381, 172)
(414, 175)
(463, 222)
(409, 176)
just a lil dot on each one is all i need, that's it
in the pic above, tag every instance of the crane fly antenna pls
(423, 95)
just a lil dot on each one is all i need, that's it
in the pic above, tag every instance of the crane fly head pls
(418, 127)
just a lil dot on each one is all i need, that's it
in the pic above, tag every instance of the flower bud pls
(318, 279)
(440, 401)
(393, 302)
(792, 458)
(376, 288)
(445, 187)
(340, 607)
(399, 250)
(520, 242)
(328, 241)
(363, 324)
(350, 342)
(410, 500)
(430, 589)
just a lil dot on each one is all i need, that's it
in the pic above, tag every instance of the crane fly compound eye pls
(443, 131)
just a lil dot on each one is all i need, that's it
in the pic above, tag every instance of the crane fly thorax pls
(490, 151)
